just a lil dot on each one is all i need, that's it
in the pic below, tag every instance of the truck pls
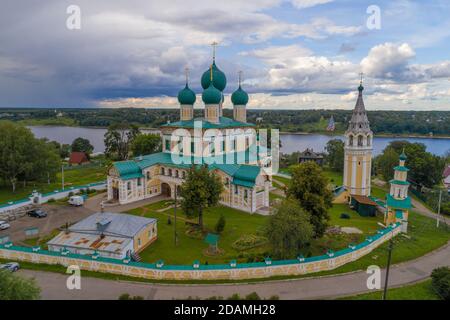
(76, 201)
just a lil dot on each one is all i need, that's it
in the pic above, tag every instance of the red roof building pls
(78, 158)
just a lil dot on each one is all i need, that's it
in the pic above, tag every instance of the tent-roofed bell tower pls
(358, 150)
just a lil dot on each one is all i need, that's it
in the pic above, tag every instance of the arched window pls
(360, 141)
(350, 140)
(369, 140)
(163, 171)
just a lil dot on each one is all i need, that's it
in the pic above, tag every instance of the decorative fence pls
(56, 194)
(197, 271)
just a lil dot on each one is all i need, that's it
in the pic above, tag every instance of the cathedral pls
(230, 148)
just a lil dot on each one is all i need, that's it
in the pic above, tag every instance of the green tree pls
(425, 168)
(309, 186)
(200, 190)
(13, 287)
(335, 154)
(146, 144)
(118, 140)
(82, 145)
(288, 229)
(440, 282)
(220, 225)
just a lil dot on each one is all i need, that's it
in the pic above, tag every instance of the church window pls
(129, 185)
(170, 172)
(163, 171)
(148, 175)
(360, 141)
(139, 182)
(183, 174)
(236, 189)
(176, 173)
(350, 142)
(192, 147)
(245, 195)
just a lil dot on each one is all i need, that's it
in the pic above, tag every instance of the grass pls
(417, 291)
(368, 225)
(238, 223)
(79, 176)
(49, 122)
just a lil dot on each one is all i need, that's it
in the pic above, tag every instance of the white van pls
(76, 200)
(4, 225)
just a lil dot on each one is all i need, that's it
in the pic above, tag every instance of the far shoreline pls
(382, 135)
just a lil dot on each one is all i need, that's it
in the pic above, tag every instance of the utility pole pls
(175, 219)
(391, 246)
(439, 208)
(62, 176)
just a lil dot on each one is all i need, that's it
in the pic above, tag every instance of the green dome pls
(219, 79)
(186, 96)
(239, 97)
(211, 95)
(403, 156)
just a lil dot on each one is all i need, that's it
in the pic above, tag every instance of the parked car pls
(4, 225)
(37, 213)
(11, 266)
(76, 201)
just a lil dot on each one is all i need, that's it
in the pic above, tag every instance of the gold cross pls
(186, 72)
(214, 44)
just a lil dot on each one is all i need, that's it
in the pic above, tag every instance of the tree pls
(82, 145)
(23, 157)
(118, 140)
(425, 168)
(440, 282)
(335, 154)
(201, 189)
(146, 144)
(220, 225)
(309, 186)
(13, 287)
(289, 229)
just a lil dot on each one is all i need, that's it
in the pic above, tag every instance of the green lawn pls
(74, 177)
(238, 223)
(417, 291)
(368, 225)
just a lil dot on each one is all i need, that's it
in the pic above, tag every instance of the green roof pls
(399, 214)
(242, 174)
(224, 122)
(401, 168)
(212, 239)
(403, 155)
(403, 183)
(186, 96)
(239, 97)
(401, 204)
(211, 95)
(219, 79)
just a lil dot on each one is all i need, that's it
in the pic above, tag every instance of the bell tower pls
(358, 150)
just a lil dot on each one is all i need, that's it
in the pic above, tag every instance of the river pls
(290, 142)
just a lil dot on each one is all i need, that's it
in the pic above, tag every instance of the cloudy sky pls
(294, 54)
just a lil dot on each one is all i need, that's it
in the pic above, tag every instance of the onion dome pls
(211, 95)
(403, 155)
(186, 96)
(239, 97)
(219, 78)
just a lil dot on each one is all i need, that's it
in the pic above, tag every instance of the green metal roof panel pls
(127, 167)
(401, 168)
(247, 172)
(243, 183)
(401, 204)
(400, 182)
(132, 176)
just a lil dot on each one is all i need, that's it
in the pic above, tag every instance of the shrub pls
(345, 216)
(252, 296)
(70, 194)
(234, 296)
(249, 241)
(51, 200)
(220, 225)
(440, 282)
(126, 296)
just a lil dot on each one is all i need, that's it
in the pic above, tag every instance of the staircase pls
(135, 257)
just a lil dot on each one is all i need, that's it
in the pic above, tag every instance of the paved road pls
(53, 285)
